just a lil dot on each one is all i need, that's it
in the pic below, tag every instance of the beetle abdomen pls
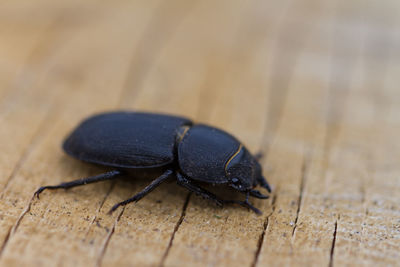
(204, 151)
(126, 139)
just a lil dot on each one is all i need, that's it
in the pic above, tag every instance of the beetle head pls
(242, 170)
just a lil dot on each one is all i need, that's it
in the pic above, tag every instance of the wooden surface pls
(313, 84)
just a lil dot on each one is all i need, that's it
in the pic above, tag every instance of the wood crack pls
(178, 224)
(14, 228)
(103, 248)
(5, 242)
(100, 207)
(262, 236)
(333, 244)
(304, 171)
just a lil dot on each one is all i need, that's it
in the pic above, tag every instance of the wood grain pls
(311, 84)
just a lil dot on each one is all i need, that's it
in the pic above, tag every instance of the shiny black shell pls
(204, 152)
(146, 140)
(126, 139)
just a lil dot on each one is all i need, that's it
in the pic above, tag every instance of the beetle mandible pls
(191, 153)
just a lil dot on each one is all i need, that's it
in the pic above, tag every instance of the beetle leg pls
(188, 184)
(245, 203)
(145, 191)
(257, 194)
(183, 181)
(88, 180)
(264, 183)
(248, 205)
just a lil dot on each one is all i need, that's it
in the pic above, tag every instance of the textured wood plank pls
(312, 84)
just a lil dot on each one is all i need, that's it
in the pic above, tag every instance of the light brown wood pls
(312, 84)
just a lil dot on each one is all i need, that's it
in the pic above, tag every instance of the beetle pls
(191, 153)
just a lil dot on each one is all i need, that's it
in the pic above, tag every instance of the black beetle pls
(191, 153)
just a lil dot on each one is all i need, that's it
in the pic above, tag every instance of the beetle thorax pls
(240, 170)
